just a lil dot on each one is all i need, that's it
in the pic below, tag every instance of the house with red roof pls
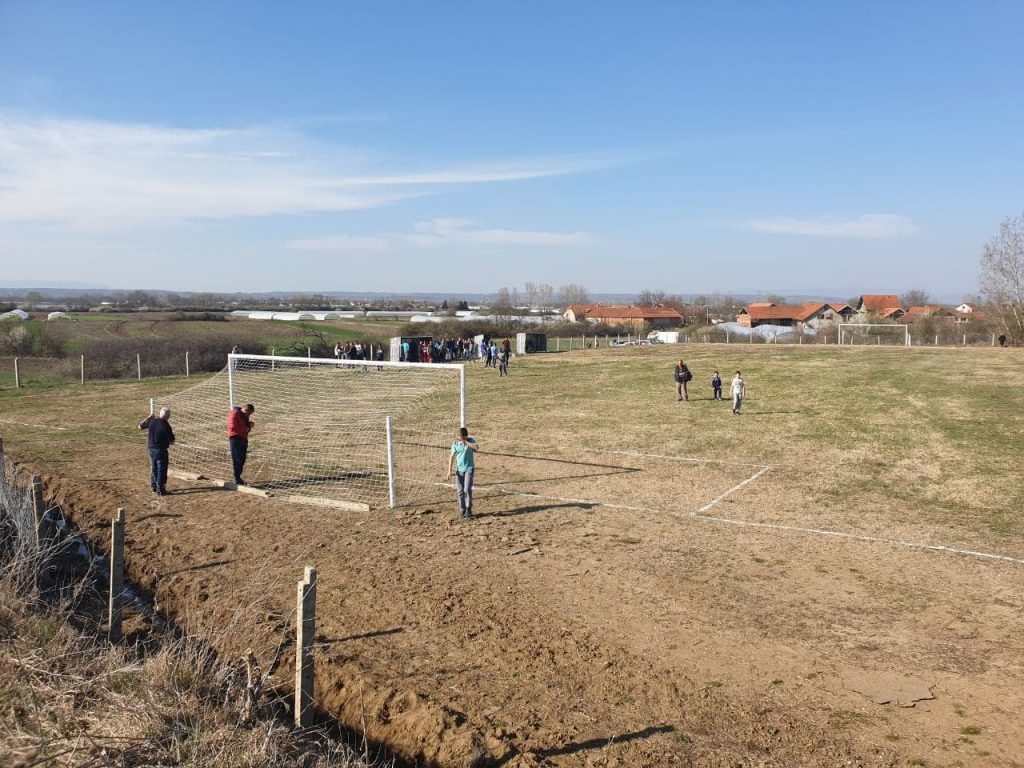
(637, 318)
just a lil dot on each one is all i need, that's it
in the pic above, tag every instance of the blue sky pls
(797, 147)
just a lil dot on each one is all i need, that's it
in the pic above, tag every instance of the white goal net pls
(354, 432)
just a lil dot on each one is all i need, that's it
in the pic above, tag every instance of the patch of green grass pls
(970, 730)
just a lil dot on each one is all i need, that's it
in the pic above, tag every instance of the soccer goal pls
(348, 433)
(874, 333)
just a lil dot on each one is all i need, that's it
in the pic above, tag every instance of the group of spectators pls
(683, 376)
(355, 350)
(492, 353)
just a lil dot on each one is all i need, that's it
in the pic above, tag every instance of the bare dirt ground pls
(607, 615)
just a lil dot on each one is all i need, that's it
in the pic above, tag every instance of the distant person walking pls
(379, 357)
(239, 427)
(739, 387)
(716, 387)
(337, 350)
(682, 377)
(160, 438)
(462, 461)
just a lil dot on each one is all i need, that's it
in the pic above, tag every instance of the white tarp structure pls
(15, 314)
(57, 316)
(764, 331)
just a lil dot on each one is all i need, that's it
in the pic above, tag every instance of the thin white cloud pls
(436, 232)
(93, 173)
(877, 225)
(337, 243)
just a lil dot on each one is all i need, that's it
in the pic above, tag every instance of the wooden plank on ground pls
(316, 501)
(183, 475)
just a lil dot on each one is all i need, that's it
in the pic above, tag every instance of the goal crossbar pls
(343, 363)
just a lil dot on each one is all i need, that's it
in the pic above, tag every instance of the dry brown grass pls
(69, 698)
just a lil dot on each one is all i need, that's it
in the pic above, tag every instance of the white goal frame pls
(891, 326)
(234, 358)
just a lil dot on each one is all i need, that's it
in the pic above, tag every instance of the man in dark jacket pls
(159, 440)
(239, 426)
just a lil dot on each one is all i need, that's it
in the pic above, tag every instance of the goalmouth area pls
(834, 576)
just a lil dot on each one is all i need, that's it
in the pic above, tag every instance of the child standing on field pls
(738, 390)
(716, 387)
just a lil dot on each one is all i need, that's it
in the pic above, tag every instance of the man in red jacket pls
(239, 426)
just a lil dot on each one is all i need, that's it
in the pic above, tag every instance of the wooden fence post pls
(116, 576)
(186, 363)
(82, 368)
(138, 364)
(17, 377)
(305, 630)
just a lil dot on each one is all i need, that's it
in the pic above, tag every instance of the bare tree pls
(503, 305)
(650, 298)
(1002, 277)
(514, 296)
(774, 298)
(917, 297)
(545, 295)
(572, 293)
(530, 293)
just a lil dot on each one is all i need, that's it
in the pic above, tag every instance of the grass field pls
(649, 582)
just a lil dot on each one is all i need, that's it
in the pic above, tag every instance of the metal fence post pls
(17, 377)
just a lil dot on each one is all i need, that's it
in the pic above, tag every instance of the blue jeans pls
(158, 468)
(239, 450)
(464, 487)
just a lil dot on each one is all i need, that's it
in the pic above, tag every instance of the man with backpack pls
(682, 377)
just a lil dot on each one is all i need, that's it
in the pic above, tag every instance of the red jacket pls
(238, 423)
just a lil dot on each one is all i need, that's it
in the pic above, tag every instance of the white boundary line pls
(732, 490)
(699, 514)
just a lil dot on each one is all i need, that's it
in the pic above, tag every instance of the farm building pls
(629, 317)
(928, 310)
(810, 313)
(878, 304)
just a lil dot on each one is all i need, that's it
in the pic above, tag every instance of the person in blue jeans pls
(462, 461)
(159, 439)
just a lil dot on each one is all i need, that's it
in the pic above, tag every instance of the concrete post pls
(17, 377)
(82, 368)
(116, 576)
(305, 630)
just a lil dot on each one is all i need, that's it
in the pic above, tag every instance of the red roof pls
(798, 312)
(620, 311)
(891, 311)
(877, 302)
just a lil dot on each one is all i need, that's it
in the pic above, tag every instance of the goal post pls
(353, 433)
(850, 332)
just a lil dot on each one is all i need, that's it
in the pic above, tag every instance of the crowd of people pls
(492, 353)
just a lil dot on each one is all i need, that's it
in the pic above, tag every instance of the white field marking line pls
(732, 490)
(33, 426)
(699, 514)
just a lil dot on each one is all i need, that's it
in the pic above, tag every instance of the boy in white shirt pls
(738, 386)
